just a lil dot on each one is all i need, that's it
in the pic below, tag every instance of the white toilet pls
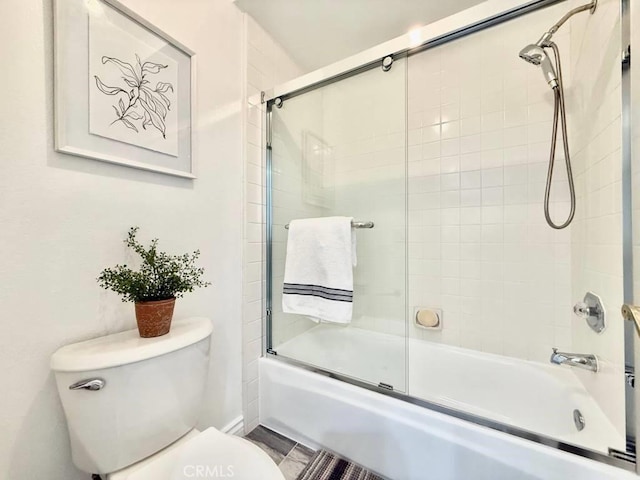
(132, 403)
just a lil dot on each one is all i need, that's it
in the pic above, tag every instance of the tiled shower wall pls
(479, 121)
(267, 64)
(596, 237)
(479, 246)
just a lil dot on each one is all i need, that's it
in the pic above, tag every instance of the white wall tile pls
(267, 65)
(596, 240)
(490, 207)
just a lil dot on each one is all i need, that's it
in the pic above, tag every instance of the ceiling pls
(319, 32)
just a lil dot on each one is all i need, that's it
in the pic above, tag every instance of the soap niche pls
(427, 318)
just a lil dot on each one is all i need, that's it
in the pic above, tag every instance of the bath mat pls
(328, 466)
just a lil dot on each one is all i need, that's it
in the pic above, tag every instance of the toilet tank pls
(152, 393)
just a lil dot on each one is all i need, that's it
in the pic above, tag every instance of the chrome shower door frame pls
(630, 90)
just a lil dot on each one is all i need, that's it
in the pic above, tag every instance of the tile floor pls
(291, 457)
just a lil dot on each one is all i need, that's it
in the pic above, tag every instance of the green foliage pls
(161, 276)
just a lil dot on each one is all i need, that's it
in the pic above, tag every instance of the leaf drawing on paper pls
(139, 105)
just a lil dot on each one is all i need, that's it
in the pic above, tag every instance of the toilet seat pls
(207, 455)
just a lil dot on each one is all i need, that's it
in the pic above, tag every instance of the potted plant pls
(155, 286)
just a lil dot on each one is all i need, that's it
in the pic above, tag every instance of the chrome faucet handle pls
(591, 310)
(583, 310)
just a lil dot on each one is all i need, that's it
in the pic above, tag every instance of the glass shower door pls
(339, 150)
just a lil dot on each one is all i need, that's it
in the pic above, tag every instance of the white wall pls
(266, 64)
(63, 219)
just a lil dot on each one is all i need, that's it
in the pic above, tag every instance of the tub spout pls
(580, 360)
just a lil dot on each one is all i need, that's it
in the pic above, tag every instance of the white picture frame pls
(100, 45)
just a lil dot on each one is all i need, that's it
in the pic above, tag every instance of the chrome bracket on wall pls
(630, 377)
(387, 63)
(626, 57)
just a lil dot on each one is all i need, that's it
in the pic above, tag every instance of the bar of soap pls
(427, 318)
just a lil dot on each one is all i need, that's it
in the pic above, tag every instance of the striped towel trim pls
(327, 293)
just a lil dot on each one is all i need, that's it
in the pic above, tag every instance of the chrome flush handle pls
(92, 385)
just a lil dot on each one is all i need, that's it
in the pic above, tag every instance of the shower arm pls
(591, 6)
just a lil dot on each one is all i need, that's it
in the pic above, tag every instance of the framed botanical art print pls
(123, 89)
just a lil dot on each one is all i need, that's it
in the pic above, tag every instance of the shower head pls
(536, 55)
(532, 54)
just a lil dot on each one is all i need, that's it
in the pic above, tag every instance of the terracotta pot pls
(154, 318)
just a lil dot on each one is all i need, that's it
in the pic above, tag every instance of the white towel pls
(318, 272)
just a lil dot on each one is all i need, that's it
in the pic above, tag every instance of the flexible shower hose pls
(559, 114)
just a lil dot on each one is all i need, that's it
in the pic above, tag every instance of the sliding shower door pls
(339, 150)
(465, 299)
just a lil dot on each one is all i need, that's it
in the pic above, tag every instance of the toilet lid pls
(211, 455)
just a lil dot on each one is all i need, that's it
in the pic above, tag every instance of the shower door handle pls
(632, 313)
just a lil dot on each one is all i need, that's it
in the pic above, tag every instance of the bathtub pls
(400, 440)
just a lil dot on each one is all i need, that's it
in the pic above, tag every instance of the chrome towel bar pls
(354, 224)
